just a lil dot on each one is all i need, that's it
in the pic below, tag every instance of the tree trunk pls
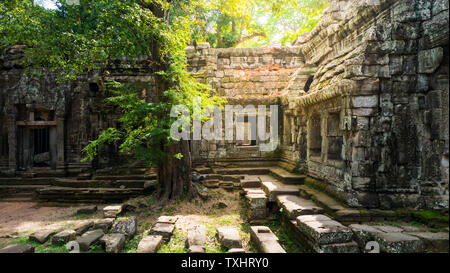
(174, 174)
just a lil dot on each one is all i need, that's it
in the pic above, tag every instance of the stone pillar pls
(12, 143)
(60, 162)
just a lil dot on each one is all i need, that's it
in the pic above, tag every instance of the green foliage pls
(73, 40)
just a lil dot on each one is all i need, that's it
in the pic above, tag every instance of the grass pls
(176, 243)
(431, 218)
(131, 245)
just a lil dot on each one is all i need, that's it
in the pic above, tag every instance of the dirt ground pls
(222, 208)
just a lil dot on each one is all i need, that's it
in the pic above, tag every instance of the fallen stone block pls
(150, 244)
(294, 206)
(434, 241)
(113, 243)
(399, 243)
(103, 224)
(167, 219)
(229, 237)
(89, 238)
(196, 249)
(82, 226)
(256, 201)
(17, 249)
(323, 230)
(87, 210)
(163, 229)
(265, 240)
(272, 189)
(236, 250)
(64, 236)
(41, 236)
(112, 211)
(196, 236)
(127, 227)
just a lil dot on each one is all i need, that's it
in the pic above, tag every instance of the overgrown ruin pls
(363, 102)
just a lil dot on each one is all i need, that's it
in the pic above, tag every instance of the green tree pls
(75, 39)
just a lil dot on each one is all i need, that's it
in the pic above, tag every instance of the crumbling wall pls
(382, 67)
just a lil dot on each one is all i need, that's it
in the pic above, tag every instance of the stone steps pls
(287, 177)
(294, 206)
(97, 195)
(124, 177)
(273, 189)
(74, 183)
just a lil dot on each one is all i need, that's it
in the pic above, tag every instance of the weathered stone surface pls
(81, 227)
(265, 240)
(229, 237)
(256, 200)
(113, 243)
(41, 236)
(294, 206)
(388, 229)
(89, 238)
(112, 211)
(87, 210)
(399, 243)
(64, 236)
(150, 244)
(429, 60)
(17, 249)
(196, 249)
(351, 247)
(103, 224)
(196, 236)
(127, 227)
(363, 233)
(163, 229)
(323, 230)
(434, 241)
(272, 189)
(167, 219)
(236, 250)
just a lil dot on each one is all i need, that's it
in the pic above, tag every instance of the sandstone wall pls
(383, 71)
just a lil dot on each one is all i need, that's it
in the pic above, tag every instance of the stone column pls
(60, 162)
(12, 143)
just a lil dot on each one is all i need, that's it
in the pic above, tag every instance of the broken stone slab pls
(399, 243)
(163, 229)
(64, 236)
(113, 243)
(294, 206)
(229, 237)
(104, 224)
(127, 227)
(89, 238)
(167, 219)
(150, 244)
(272, 189)
(81, 227)
(351, 247)
(197, 249)
(362, 234)
(434, 241)
(323, 230)
(265, 240)
(196, 236)
(112, 211)
(41, 236)
(236, 250)
(16, 248)
(87, 210)
(256, 201)
(257, 214)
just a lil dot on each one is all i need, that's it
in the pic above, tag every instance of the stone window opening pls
(249, 132)
(93, 89)
(334, 137)
(4, 145)
(315, 137)
(308, 83)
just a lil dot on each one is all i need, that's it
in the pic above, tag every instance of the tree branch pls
(259, 34)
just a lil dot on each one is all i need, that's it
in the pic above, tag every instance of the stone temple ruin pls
(363, 101)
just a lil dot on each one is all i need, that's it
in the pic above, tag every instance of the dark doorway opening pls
(41, 147)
